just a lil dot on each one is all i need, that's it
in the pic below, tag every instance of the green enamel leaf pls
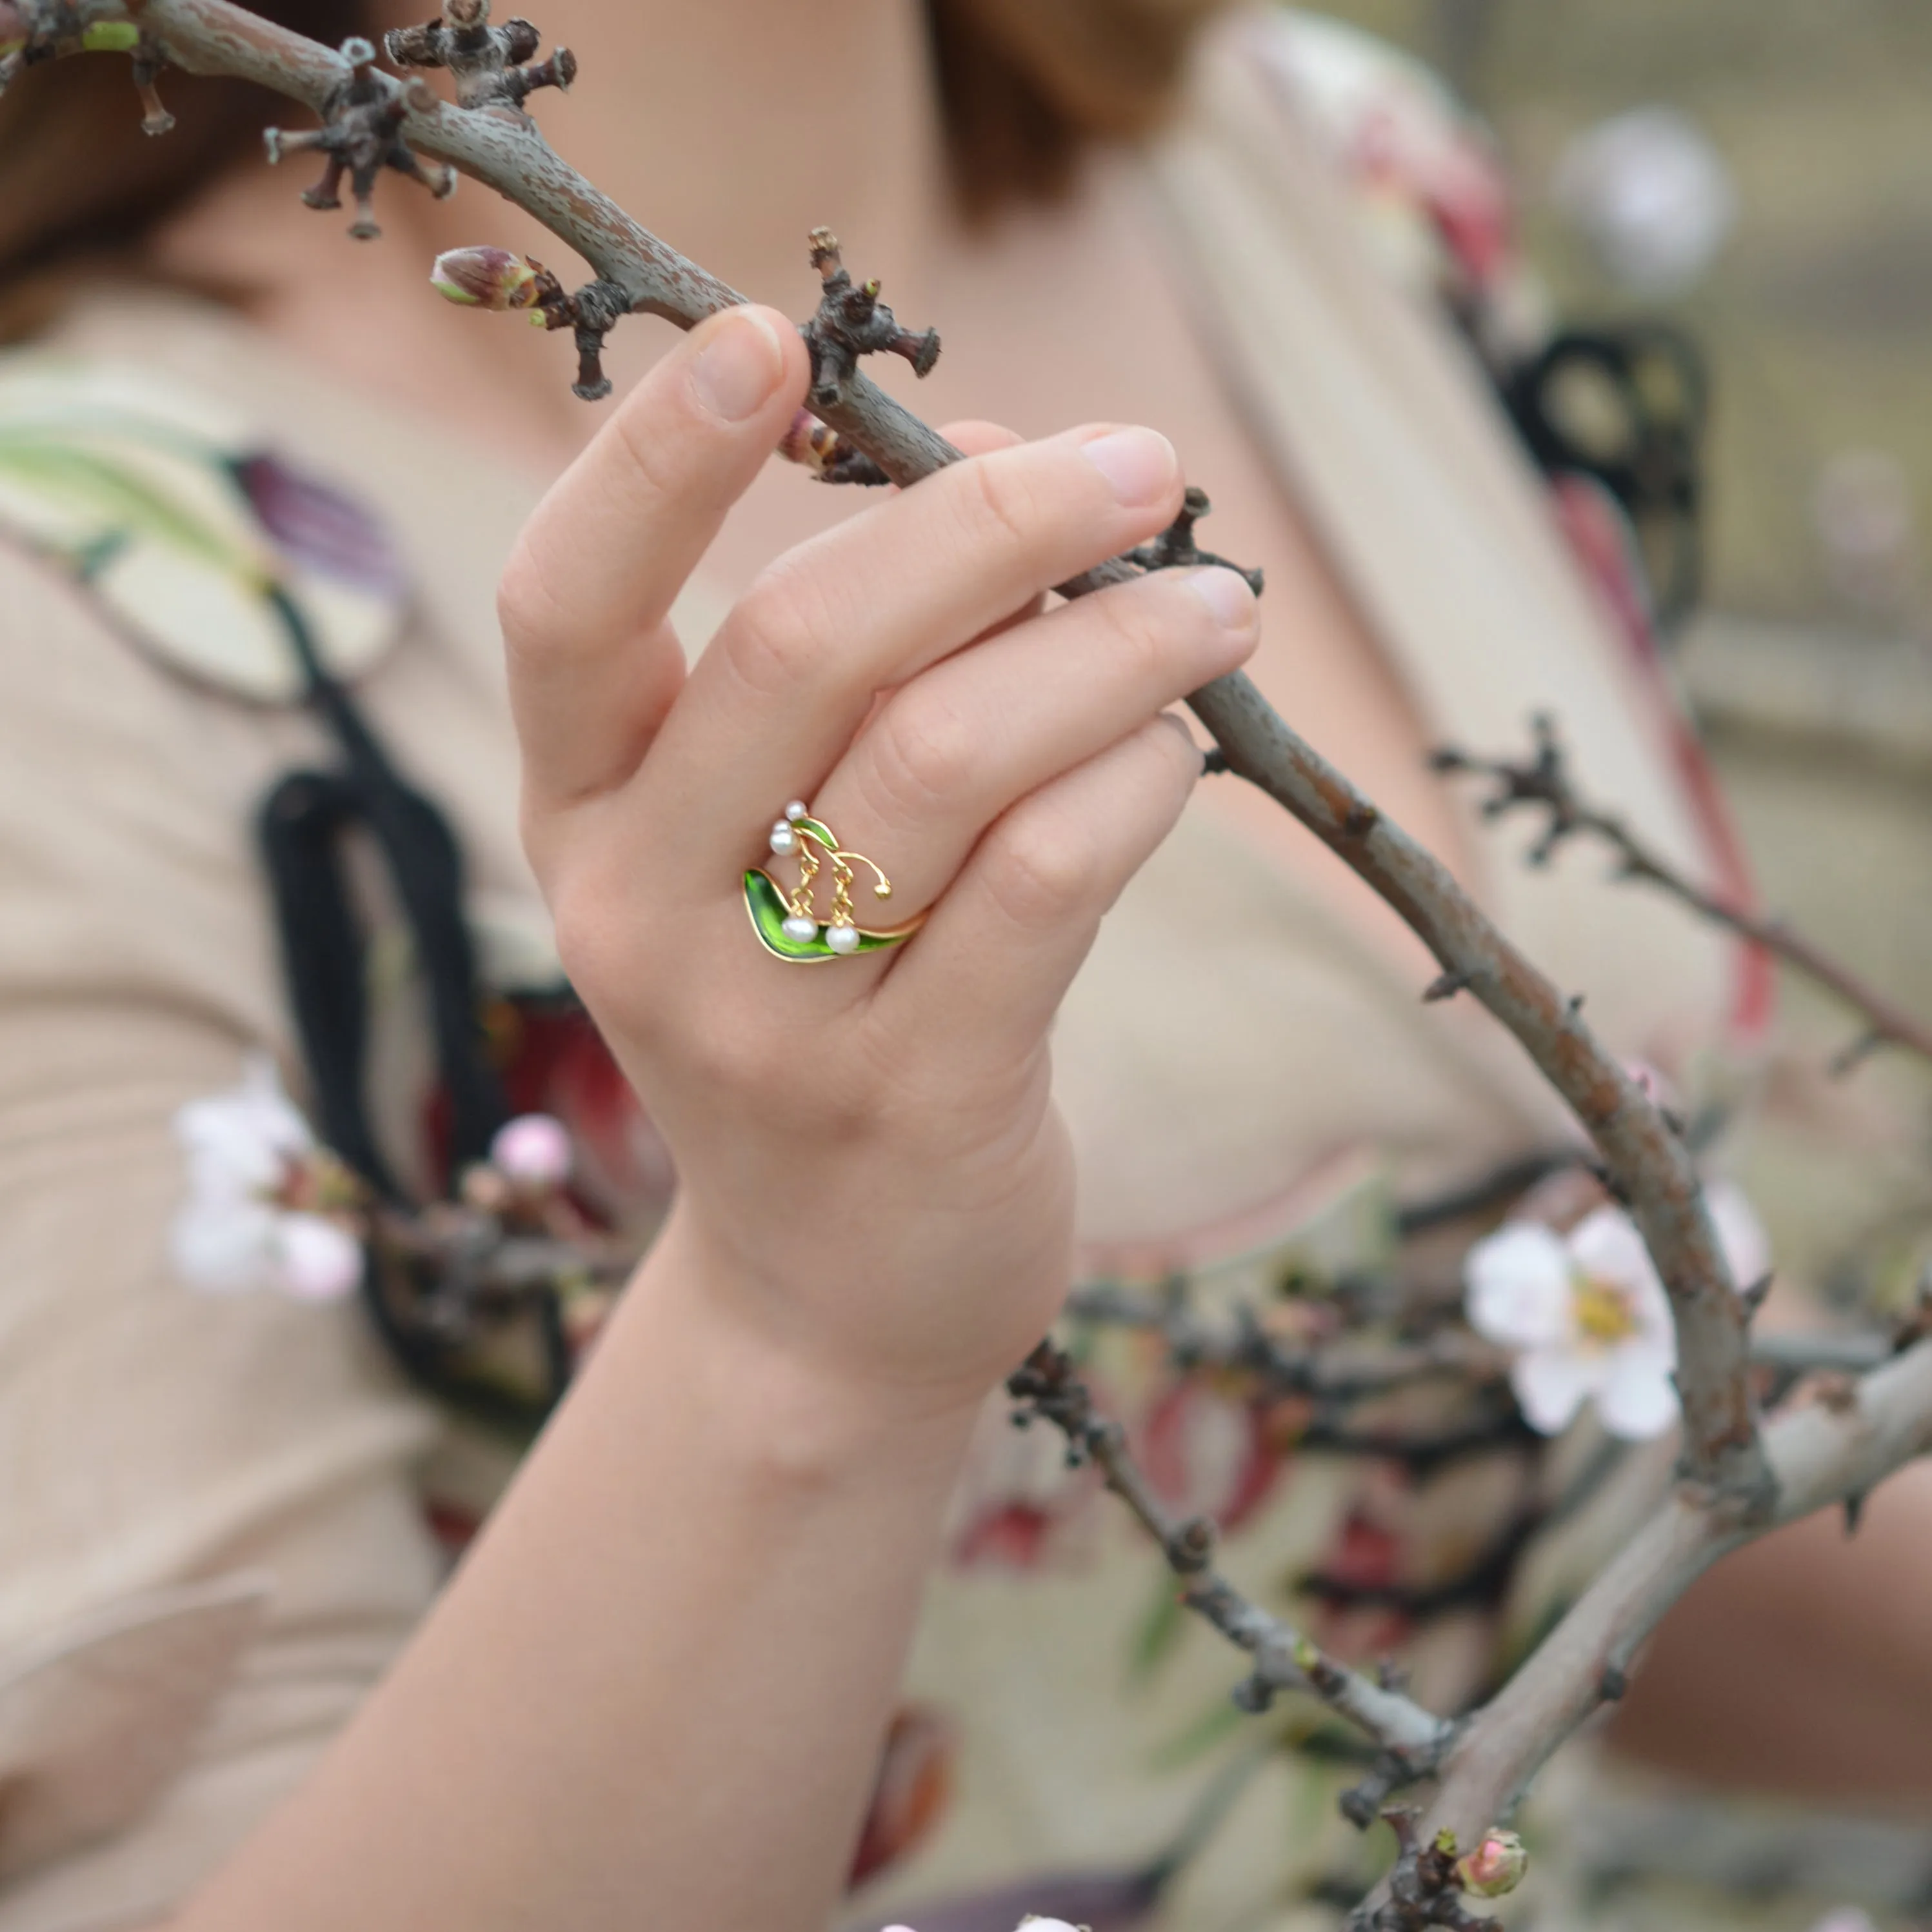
(110, 36)
(813, 829)
(767, 904)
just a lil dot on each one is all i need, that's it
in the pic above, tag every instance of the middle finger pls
(777, 697)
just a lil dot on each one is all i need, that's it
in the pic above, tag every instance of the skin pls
(732, 1514)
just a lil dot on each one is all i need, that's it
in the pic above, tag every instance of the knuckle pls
(1000, 504)
(1154, 631)
(926, 751)
(777, 639)
(527, 610)
(1041, 871)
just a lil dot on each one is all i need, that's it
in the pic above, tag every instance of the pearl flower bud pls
(1035, 1924)
(491, 278)
(533, 1149)
(1494, 1868)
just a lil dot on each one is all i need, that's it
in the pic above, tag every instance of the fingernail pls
(738, 369)
(1226, 594)
(1139, 465)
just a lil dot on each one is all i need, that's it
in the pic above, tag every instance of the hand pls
(869, 1158)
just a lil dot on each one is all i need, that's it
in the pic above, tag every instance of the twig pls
(1544, 783)
(1648, 1165)
(1336, 1371)
(1826, 1454)
(1410, 1738)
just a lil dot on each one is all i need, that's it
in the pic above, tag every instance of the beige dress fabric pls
(210, 1544)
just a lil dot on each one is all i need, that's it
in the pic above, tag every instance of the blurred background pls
(1760, 172)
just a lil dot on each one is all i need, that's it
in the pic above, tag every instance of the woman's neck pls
(730, 127)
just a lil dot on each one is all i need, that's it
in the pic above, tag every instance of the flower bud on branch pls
(814, 447)
(493, 278)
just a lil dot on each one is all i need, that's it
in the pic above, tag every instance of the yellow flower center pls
(1603, 1313)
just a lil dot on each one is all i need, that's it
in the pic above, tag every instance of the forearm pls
(655, 1691)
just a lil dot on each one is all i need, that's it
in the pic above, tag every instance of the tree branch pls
(1831, 1453)
(1647, 1163)
(1544, 783)
(1412, 1740)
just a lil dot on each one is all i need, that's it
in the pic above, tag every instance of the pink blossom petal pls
(1518, 1283)
(533, 1148)
(1550, 1385)
(1637, 1400)
(317, 1259)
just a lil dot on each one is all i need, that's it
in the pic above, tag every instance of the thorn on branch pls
(1175, 548)
(1447, 986)
(494, 279)
(1854, 1511)
(817, 447)
(1362, 1805)
(150, 57)
(1754, 1297)
(852, 322)
(361, 135)
(1614, 1685)
(1215, 764)
(489, 65)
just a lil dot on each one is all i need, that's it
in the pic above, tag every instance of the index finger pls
(592, 665)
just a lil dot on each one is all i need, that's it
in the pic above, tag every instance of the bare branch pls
(1413, 1740)
(1544, 783)
(1343, 1370)
(1823, 1455)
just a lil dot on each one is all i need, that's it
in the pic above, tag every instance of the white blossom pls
(259, 1191)
(1587, 1317)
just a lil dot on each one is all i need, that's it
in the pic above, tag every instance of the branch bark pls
(1544, 783)
(1831, 1453)
(1413, 1738)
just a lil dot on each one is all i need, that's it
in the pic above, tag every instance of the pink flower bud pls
(491, 278)
(534, 1150)
(1496, 1867)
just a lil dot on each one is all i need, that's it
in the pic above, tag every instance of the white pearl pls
(796, 810)
(842, 938)
(802, 931)
(783, 839)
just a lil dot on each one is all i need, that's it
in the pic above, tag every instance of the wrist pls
(772, 1390)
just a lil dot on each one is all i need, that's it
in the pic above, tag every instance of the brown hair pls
(1024, 85)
